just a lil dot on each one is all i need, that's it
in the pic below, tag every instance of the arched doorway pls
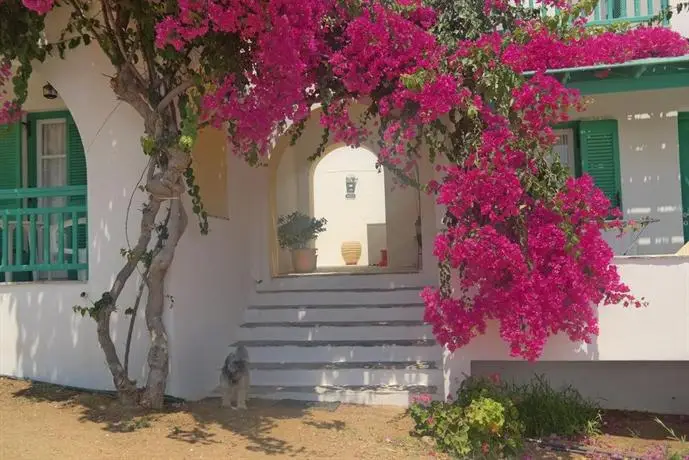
(349, 191)
(378, 213)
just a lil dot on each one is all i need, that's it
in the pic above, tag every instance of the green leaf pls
(74, 42)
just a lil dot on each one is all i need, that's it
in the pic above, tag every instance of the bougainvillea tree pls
(446, 82)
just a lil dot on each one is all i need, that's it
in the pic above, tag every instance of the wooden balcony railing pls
(615, 11)
(43, 233)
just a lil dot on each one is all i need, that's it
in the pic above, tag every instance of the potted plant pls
(295, 232)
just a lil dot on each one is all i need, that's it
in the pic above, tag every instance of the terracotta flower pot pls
(351, 252)
(304, 260)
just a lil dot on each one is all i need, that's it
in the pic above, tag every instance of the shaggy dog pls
(234, 378)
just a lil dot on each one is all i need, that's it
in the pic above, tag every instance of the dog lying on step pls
(234, 378)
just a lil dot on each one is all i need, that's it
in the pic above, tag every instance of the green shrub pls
(482, 426)
(546, 411)
(297, 230)
(489, 419)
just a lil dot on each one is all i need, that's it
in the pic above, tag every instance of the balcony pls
(43, 234)
(609, 12)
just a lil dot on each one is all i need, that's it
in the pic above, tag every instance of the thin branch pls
(173, 93)
(126, 57)
(139, 295)
(99, 38)
(149, 56)
(130, 332)
(107, 16)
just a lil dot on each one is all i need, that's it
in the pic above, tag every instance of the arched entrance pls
(362, 203)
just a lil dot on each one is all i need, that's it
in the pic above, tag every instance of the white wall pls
(40, 336)
(679, 22)
(649, 163)
(658, 332)
(348, 219)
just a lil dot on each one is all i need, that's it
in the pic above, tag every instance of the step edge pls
(298, 290)
(324, 389)
(336, 343)
(317, 324)
(348, 365)
(336, 306)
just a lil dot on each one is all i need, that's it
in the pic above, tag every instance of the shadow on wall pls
(654, 386)
(643, 349)
(43, 339)
(649, 163)
(490, 346)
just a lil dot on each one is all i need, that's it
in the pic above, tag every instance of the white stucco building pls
(70, 169)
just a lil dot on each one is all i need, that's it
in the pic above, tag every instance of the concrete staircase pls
(364, 346)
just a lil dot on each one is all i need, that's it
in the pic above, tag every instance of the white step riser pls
(336, 333)
(291, 354)
(400, 399)
(296, 377)
(349, 282)
(334, 314)
(338, 298)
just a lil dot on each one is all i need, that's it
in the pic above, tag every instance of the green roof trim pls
(638, 75)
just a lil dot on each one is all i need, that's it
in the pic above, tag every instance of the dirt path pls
(42, 421)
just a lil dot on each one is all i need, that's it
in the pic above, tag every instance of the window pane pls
(54, 139)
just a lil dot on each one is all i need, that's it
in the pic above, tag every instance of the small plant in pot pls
(295, 232)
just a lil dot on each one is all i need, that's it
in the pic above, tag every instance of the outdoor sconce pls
(49, 92)
(350, 183)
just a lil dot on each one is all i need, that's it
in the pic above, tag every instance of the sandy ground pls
(41, 421)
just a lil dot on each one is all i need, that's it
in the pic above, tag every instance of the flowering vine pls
(522, 243)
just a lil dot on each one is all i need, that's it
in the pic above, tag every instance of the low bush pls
(483, 425)
(490, 419)
(546, 411)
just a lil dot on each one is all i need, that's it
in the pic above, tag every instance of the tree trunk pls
(165, 182)
(158, 354)
(126, 388)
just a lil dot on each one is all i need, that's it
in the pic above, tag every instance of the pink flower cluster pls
(534, 262)
(544, 50)
(10, 111)
(39, 6)
(539, 267)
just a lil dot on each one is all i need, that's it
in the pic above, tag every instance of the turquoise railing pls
(43, 230)
(613, 11)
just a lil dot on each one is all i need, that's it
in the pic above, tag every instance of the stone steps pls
(363, 346)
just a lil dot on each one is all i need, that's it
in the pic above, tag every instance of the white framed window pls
(564, 148)
(51, 157)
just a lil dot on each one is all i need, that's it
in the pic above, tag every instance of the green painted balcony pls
(609, 12)
(43, 234)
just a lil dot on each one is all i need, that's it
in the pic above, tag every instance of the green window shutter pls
(76, 175)
(683, 132)
(599, 151)
(10, 161)
(76, 159)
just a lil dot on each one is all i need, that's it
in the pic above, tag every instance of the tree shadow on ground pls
(189, 422)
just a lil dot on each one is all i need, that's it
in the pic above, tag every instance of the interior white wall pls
(41, 337)
(649, 163)
(401, 216)
(348, 219)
